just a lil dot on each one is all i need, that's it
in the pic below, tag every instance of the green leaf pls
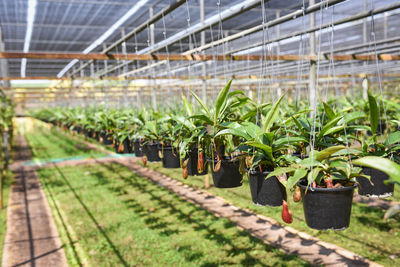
(203, 118)
(298, 174)
(313, 175)
(280, 171)
(373, 113)
(236, 132)
(393, 138)
(326, 153)
(187, 106)
(205, 108)
(328, 111)
(221, 100)
(290, 140)
(265, 148)
(382, 164)
(334, 130)
(329, 125)
(271, 115)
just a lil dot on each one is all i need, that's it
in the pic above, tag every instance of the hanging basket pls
(228, 176)
(151, 151)
(137, 147)
(327, 208)
(192, 163)
(266, 192)
(170, 158)
(107, 138)
(379, 188)
(125, 148)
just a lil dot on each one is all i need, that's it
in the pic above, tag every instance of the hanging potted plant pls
(371, 146)
(227, 167)
(264, 150)
(188, 133)
(151, 143)
(169, 143)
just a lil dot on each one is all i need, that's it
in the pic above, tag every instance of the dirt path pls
(32, 238)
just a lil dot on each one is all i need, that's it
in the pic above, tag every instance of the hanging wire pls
(301, 61)
(315, 110)
(378, 70)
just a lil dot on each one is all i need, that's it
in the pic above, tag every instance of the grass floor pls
(49, 143)
(3, 212)
(368, 235)
(118, 218)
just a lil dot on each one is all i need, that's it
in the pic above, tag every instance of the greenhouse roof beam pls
(197, 57)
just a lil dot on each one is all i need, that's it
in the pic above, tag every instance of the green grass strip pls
(122, 219)
(3, 212)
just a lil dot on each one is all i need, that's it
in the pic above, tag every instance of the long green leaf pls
(329, 125)
(326, 153)
(280, 171)
(382, 164)
(292, 181)
(373, 113)
(205, 108)
(221, 100)
(328, 111)
(187, 106)
(393, 138)
(271, 115)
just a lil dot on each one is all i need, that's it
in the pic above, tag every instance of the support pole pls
(203, 66)
(3, 63)
(153, 81)
(312, 88)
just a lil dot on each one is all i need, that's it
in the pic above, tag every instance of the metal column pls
(203, 66)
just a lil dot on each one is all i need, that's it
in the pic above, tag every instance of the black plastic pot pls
(137, 147)
(127, 147)
(97, 136)
(379, 189)
(151, 151)
(266, 192)
(192, 163)
(228, 175)
(78, 129)
(107, 138)
(170, 158)
(327, 208)
(89, 133)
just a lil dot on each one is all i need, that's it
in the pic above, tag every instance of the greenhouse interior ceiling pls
(169, 46)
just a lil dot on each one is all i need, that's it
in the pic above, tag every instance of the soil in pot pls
(379, 188)
(137, 148)
(266, 192)
(327, 208)
(228, 175)
(192, 163)
(151, 151)
(170, 158)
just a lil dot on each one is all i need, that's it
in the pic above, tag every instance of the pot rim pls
(318, 189)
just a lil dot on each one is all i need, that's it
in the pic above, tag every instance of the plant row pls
(318, 155)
